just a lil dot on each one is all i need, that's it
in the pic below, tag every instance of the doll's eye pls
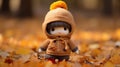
(52, 29)
(65, 28)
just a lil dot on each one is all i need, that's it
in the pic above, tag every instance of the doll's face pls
(59, 31)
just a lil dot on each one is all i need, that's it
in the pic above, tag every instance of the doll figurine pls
(58, 26)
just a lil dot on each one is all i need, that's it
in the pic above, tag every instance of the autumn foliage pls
(19, 41)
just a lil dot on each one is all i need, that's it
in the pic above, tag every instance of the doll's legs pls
(61, 58)
(53, 58)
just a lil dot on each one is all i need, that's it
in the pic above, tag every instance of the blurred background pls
(97, 20)
(91, 15)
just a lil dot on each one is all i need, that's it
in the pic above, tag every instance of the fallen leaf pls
(108, 64)
(8, 60)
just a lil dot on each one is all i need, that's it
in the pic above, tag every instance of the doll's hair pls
(58, 24)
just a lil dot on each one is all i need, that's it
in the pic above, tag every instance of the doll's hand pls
(40, 50)
(77, 52)
(41, 54)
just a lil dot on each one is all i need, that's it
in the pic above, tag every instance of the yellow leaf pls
(115, 59)
(23, 51)
(96, 52)
(108, 64)
(87, 65)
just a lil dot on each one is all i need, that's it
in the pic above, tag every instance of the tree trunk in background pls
(5, 8)
(118, 6)
(25, 9)
(107, 7)
(73, 4)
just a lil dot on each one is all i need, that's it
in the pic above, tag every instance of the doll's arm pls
(44, 46)
(42, 49)
(73, 47)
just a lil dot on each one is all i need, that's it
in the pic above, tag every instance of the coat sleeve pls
(44, 45)
(72, 46)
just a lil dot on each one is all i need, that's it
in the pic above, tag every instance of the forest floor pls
(19, 40)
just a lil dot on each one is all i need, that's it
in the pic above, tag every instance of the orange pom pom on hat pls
(58, 12)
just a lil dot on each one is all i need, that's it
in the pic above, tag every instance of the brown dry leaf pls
(76, 64)
(96, 52)
(78, 58)
(64, 64)
(108, 64)
(87, 65)
(41, 64)
(115, 59)
(23, 51)
(34, 58)
(8, 60)
(4, 54)
(83, 48)
(115, 56)
(48, 64)
(25, 58)
(34, 62)
(18, 63)
(2, 64)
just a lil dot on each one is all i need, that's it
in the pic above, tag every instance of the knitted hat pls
(58, 12)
